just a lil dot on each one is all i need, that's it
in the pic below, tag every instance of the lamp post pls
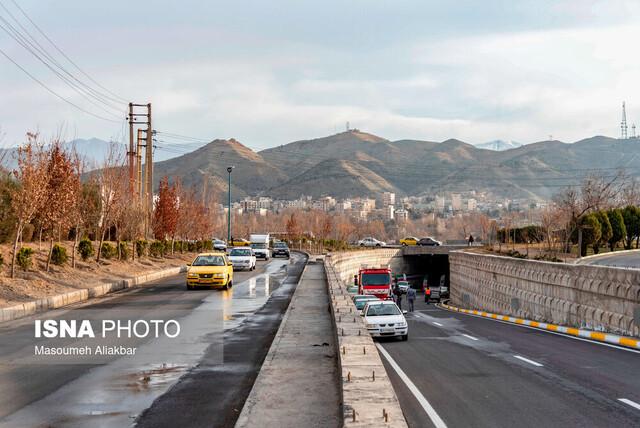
(229, 169)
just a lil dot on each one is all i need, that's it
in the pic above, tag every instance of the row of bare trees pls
(49, 192)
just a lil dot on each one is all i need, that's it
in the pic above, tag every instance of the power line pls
(117, 97)
(21, 40)
(53, 92)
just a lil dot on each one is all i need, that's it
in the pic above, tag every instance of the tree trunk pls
(118, 246)
(172, 241)
(15, 250)
(100, 245)
(50, 252)
(75, 245)
(133, 250)
(40, 240)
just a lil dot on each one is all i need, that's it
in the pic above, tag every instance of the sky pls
(271, 72)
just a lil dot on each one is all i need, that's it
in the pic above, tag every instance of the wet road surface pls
(223, 340)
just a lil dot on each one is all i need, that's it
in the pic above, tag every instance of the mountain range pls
(356, 163)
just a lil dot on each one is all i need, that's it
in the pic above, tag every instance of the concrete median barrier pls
(65, 299)
(368, 396)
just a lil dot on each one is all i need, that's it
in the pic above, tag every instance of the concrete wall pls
(347, 263)
(591, 297)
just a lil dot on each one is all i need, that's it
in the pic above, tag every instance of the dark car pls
(280, 249)
(429, 242)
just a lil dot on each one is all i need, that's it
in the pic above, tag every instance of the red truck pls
(376, 281)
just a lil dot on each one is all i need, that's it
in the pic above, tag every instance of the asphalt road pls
(475, 372)
(622, 259)
(202, 379)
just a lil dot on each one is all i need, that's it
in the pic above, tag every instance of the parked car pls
(210, 270)
(383, 318)
(409, 240)
(403, 286)
(280, 249)
(219, 244)
(360, 300)
(371, 242)
(429, 242)
(242, 258)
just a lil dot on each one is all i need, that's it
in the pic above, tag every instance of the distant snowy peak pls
(499, 145)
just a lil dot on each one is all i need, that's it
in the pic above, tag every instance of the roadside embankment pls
(598, 298)
(368, 398)
(53, 302)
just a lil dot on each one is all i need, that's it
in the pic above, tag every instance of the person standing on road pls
(471, 240)
(398, 294)
(411, 297)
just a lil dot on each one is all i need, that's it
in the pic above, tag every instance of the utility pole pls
(623, 123)
(229, 169)
(131, 153)
(149, 171)
(141, 184)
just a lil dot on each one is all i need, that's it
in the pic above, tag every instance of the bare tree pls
(28, 198)
(110, 179)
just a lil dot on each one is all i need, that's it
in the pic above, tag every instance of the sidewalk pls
(298, 384)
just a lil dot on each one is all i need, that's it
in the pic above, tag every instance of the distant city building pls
(388, 198)
(472, 204)
(401, 215)
(456, 201)
(440, 203)
(389, 211)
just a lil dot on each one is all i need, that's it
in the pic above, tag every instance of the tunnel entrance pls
(432, 267)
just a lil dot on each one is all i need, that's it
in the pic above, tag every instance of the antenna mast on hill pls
(623, 123)
(633, 131)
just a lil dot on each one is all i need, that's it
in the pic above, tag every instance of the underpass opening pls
(434, 268)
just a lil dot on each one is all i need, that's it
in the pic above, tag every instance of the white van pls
(260, 245)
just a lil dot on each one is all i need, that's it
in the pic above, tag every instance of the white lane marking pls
(433, 415)
(470, 337)
(526, 360)
(437, 323)
(630, 403)
(541, 329)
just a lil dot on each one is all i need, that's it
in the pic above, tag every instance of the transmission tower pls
(633, 131)
(623, 123)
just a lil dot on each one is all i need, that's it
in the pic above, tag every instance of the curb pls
(368, 397)
(610, 253)
(627, 342)
(60, 300)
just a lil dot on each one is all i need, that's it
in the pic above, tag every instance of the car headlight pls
(192, 275)
(369, 325)
(402, 324)
(218, 275)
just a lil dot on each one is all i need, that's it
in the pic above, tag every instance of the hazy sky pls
(271, 72)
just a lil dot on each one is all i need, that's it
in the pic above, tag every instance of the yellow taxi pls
(210, 270)
(239, 242)
(409, 240)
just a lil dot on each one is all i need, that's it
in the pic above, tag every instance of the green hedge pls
(141, 247)
(59, 255)
(124, 250)
(23, 258)
(108, 251)
(85, 249)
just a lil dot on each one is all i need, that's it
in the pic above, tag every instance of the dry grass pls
(36, 283)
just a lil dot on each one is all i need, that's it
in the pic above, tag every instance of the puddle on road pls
(114, 394)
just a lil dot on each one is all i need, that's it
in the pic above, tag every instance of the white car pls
(384, 319)
(242, 258)
(371, 242)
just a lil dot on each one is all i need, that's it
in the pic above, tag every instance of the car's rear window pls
(382, 309)
(209, 261)
(279, 245)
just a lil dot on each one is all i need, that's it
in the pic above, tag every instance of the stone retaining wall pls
(592, 297)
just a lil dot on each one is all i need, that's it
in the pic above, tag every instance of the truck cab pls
(375, 281)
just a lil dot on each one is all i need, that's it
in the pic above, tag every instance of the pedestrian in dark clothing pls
(471, 240)
(411, 297)
(398, 294)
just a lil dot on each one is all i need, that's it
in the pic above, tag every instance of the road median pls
(368, 397)
(60, 300)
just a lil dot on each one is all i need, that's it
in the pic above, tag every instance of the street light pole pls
(229, 169)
